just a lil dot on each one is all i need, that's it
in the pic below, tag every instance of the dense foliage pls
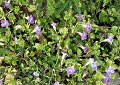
(68, 42)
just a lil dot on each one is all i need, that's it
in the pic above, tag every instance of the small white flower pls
(36, 74)
(53, 25)
(63, 55)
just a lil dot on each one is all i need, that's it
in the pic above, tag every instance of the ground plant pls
(59, 42)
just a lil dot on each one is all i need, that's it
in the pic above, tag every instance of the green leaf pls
(16, 9)
(77, 5)
(32, 8)
(113, 76)
(11, 17)
(99, 83)
(1, 13)
(66, 43)
(79, 52)
(63, 31)
(50, 9)
(70, 51)
(103, 17)
(98, 76)
(114, 29)
(69, 62)
(39, 46)
(9, 78)
(67, 15)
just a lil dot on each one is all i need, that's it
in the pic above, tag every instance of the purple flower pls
(0, 82)
(7, 4)
(109, 40)
(30, 19)
(84, 36)
(36, 74)
(91, 60)
(88, 27)
(85, 49)
(110, 70)
(56, 83)
(4, 23)
(70, 70)
(94, 65)
(106, 79)
(79, 17)
(37, 30)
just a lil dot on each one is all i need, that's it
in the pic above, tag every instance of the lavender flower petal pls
(56, 83)
(91, 60)
(84, 36)
(70, 70)
(110, 40)
(7, 4)
(30, 19)
(110, 70)
(88, 27)
(79, 17)
(94, 65)
(0, 82)
(4, 23)
(85, 49)
(106, 79)
(37, 30)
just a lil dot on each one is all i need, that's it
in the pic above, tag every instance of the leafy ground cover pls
(59, 42)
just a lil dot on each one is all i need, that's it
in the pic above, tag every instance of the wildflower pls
(37, 30)
(85, 49)
(106, 79)
(109, 40)
(36, 74)
(0, 82)
(4, 23)
(63, 55)
(70, 70)
(56, 83)
(79, 17)
(91, 60)
(83, 35)
(30, 19)
(7, 4)
(88, 27)
(94, 65)
(110, 70)
(53, 25)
